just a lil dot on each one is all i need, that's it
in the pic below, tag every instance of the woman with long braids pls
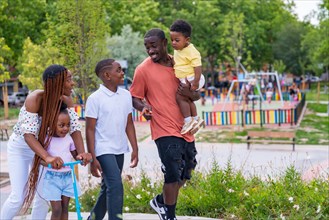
(32, 133)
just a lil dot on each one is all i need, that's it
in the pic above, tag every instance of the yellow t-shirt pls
(186, 60)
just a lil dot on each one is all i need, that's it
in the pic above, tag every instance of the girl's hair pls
(53, 78)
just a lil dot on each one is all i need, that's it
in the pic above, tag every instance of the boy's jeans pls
(110, 197)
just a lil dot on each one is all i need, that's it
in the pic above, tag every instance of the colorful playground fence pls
(250, 117)
(247, 117)
(255, 117)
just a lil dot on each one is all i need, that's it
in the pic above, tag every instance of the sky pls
(304, 7)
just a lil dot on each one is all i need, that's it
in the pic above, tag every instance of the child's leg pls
(65, 207)
(194, 112)
(56, 210)
(184, 105)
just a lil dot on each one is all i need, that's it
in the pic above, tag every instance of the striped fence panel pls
(250, 117)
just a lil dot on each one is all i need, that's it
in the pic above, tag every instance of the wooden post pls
(5, 100)
(318, 94)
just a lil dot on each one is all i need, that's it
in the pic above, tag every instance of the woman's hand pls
(85, 157)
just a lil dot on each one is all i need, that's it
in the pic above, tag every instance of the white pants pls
(190, 79)
(20, 157)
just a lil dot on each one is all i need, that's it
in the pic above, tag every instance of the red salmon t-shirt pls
(158, 85)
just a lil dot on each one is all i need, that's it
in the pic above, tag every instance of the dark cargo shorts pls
(177, 158)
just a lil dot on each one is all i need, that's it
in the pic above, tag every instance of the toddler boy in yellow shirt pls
(187, 67)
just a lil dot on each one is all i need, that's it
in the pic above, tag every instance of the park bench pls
(4, 131)
(271, 137)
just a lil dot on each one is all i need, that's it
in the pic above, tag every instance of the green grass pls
(12, 113)
(312, 94)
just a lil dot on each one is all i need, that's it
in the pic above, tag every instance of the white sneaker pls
(197, 126)
(187, 126)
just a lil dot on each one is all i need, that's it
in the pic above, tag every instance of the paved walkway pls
(126, 216)
(311, 160)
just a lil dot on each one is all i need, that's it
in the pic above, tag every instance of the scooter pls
(77, 204)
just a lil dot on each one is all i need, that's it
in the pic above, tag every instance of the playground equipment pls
(74, 179)
(251, 78)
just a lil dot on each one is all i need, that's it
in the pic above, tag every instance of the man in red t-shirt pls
(154, 93)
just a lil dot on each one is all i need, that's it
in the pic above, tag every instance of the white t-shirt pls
(111, 109)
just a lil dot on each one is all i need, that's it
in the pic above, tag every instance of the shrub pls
(226, 193)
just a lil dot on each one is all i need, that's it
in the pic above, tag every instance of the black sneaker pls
(159, 208)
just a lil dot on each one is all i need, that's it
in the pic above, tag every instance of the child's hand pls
(134, 159)
(95, 168)
(147, 112)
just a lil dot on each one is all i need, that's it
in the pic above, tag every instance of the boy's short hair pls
(103, 65)
(157, 32)
(182, 26)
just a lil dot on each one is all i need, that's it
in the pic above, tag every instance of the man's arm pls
(143, 107)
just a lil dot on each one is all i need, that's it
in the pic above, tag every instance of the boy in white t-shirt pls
(108, 124)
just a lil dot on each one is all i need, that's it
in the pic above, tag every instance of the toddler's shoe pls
(187, 126)
(197, 126)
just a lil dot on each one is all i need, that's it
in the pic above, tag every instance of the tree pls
(141, 15)
(5, 55)
(78, 29)
(20, 19)
(233, 37)
(288, 47)
(128, 46)
(34, 60)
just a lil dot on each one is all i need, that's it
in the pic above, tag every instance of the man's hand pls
(184, 89)
(147, 112)
(194, 85)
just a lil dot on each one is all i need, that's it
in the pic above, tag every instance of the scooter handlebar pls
(70, 163)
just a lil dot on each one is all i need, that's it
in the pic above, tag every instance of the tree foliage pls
(20, 19)
(79, 30)
(35, 59)
(128, 46)
(5, 55)
(260, 31)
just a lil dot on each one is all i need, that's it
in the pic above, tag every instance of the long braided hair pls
(54, 79)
